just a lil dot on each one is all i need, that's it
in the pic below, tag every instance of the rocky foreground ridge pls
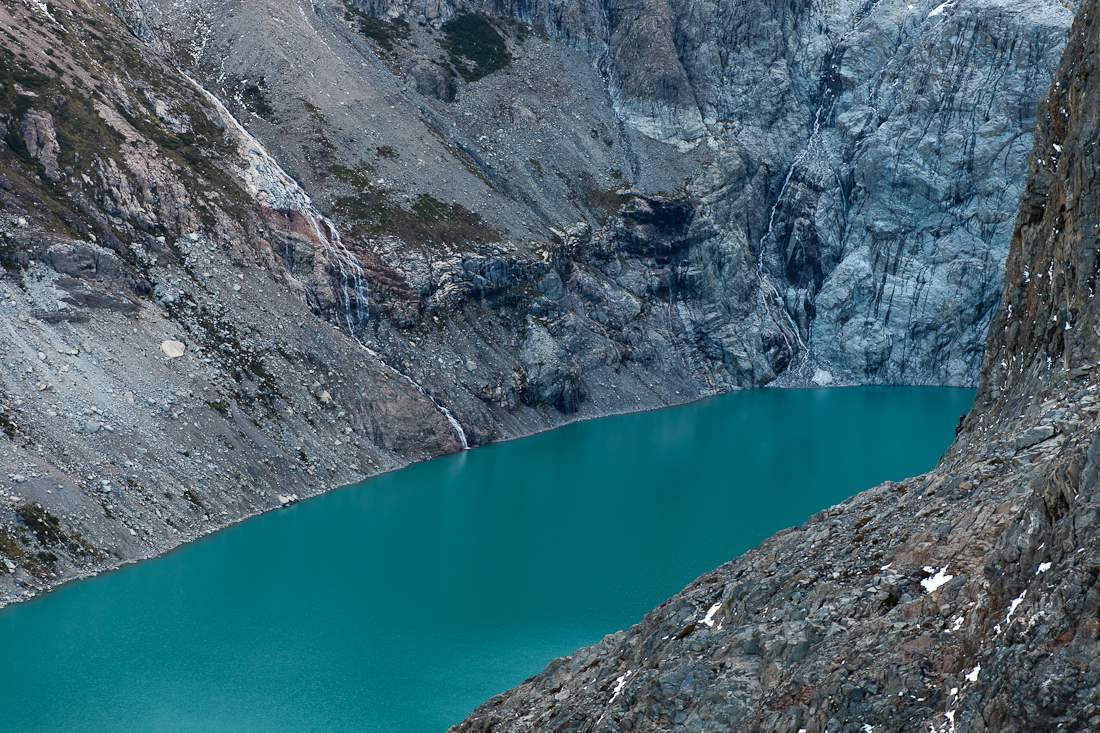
(966, 599)
(255, 250)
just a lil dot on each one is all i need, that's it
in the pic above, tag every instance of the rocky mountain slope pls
(838, 175)
(255, 250)
(963, 600)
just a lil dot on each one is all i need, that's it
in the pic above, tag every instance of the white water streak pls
(416, 385)
(273, 187)
(276, 189)
(768, 291)
(766, 287)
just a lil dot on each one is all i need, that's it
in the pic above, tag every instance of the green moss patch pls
(7, 424)
(194, 500)
(360, 178)
(255, 98)
(45, 526)
(10, 547)
(380, 31)
(600, 199)
(429, 221)
(475, 47)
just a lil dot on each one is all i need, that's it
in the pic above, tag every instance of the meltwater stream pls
(401, 603)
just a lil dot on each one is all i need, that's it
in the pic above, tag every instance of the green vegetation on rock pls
(380, 31)
(429, 221)
(475, 47)
(256, 99)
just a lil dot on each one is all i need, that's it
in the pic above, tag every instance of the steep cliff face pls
(963, 600)
(1048, 322)
(937, 146)
(849, 166)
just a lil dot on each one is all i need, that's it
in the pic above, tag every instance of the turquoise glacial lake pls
(403, 602)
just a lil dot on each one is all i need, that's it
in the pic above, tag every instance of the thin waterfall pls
(766, 287)
(275, 188)
(446, 413)
(769, 294)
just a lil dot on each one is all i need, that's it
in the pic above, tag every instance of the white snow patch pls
(1014, 605)
(886, 566)
(1043, 567)
(938, 10)
(620, 682)
(42, 8)
(936, 581)
(972, 676)
(1057, 148)
(867, 728)
(958, 624)
(709, 619)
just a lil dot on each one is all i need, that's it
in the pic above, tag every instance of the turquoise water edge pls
(401, 603)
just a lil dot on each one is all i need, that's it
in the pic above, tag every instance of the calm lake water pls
(402, 603)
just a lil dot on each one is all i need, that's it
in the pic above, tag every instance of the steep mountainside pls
(255, 250)
(963, 600)
(840, 174)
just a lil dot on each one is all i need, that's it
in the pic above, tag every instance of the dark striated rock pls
(85, 261)
(552, 377)
(431, 79)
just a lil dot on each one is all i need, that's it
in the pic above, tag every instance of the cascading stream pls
(446, 413)
(275, 188)
(770, 298)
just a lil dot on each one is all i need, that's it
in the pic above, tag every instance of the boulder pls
(174, 349)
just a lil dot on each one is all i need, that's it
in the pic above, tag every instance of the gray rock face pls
(86, 261)
(40, 138)
(430, 80)
(929, 165)
(850, 170)
(551, 378)
(1034, 436)
(644, 205)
